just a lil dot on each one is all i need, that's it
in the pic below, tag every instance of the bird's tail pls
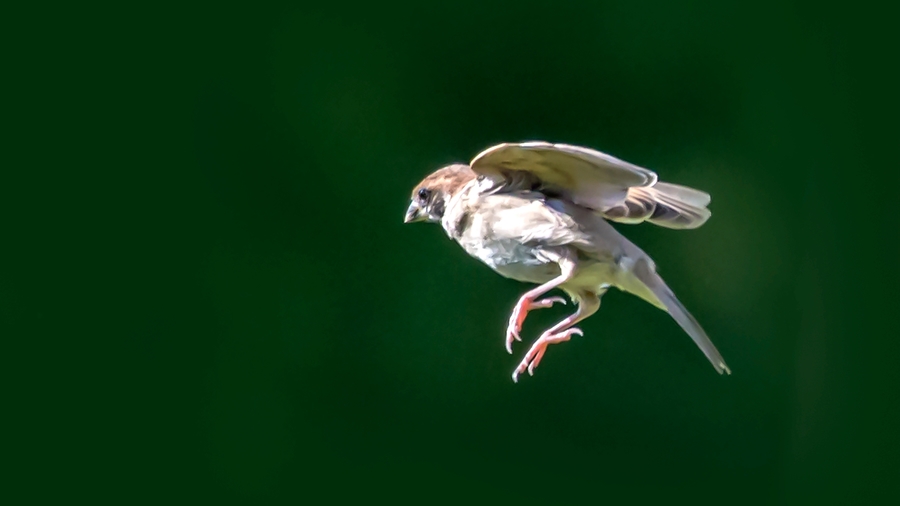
(664, 204)
(666, 299)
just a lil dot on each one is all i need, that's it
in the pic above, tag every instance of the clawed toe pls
(537, 351)
(519, 314)
(548, 302)
(511, 335)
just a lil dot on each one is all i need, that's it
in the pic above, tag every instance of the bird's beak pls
(414, 213)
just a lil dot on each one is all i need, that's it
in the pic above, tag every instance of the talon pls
(520, 312)
(510, 335)
(550, 300)
(536, 360)
(539, 348)
(515, 324)
(518, 371)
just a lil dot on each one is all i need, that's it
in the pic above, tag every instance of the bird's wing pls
(585, 176)
(618, 190)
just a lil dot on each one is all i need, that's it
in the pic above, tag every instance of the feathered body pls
(536, 212)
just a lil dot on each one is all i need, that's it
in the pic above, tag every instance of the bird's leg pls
(525, 304)
(588, 304)
(529, 301)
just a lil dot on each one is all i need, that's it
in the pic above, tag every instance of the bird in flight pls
(537, 212)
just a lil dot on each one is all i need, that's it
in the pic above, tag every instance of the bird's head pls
(430, 197)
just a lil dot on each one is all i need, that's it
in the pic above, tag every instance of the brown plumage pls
(536, 212)
(450, 178)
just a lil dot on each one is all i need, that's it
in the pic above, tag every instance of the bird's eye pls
(424, 194)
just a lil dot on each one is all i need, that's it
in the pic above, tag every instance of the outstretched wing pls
(585, 176)
(619, 190)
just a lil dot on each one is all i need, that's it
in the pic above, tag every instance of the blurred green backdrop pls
(244, 316)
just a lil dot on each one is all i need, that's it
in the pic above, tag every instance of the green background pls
(221, 302)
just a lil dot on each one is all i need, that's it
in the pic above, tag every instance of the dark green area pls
(222, 303)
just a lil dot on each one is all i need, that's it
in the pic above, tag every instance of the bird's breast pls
(513, 259)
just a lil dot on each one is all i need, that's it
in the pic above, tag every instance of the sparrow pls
(537, 212)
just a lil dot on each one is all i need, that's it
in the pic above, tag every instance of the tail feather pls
(644, 271)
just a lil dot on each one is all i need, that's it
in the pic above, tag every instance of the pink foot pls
(536, 353)
(520, 312)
